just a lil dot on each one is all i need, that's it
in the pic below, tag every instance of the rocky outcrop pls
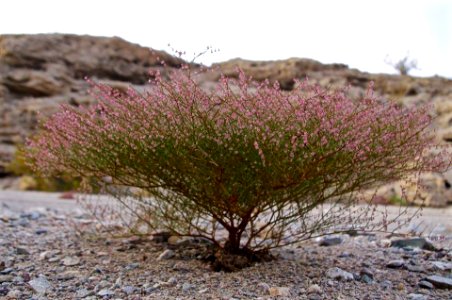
(405, 90)
(39, 72)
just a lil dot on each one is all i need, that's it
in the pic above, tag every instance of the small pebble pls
(314, 289)
(425, 284)
(167, 254)
(395, 264)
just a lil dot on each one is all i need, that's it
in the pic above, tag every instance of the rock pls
(386, 285)
(6, 278)
(14, 294)
(128, 289)
(440, 281)
(366, 271)
(345, 254)
(172, 281)
(40, 231)
(425, 284)
(417, 269)
(282, 71)
(70, 261)
(330, 241)
(395, 264)
(118, 282)
(83, 293)
(40, 285)
(48, 254)
(167, 254)
(441, 265)
(264, 287)
(68, 275)
(34, 215)
(314, 289)
(102, 285)
(105, 292)
(421, 243)
(315, 297)
(279, 291)
(132, 266)
(39, 72)
(22, 251)
(6, 271)
(414, 296)
(339, 274)
(367, 279)
(187, 287)
(4, 290)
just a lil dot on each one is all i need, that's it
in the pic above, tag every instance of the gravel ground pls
(51, 250)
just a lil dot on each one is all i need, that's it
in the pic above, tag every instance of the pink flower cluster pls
(265, 126)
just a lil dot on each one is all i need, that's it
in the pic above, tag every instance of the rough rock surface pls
(39, 72)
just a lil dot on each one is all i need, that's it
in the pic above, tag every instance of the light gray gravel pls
(74, 259)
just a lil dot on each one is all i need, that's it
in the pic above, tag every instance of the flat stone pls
(105, 292)
(48, 254)
(339, 274)
(440, 281)
(367, 279)
(414, 296)
(14, 294)
(6, 271)
(416, 269)
(367, 271)
(172, 281)
(34, 215)
(314, 289)
(421, 243)
(441, 265)
(6, 278)
(3, 290)
(68, 275)
(132, 266)
(128, 289)
(395, 264)
(22, 251)
(69, 261)
(40, 284)
(83, 293)
(330, 241)
(40, 231)
(167, 254)
(264, 287)
(425, 284)
(187, 287)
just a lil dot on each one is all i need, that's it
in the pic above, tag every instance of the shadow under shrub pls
(248, 166)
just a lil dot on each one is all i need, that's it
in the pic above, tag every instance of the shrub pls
(248, 166)
(404, 65)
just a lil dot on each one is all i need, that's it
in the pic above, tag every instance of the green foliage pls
(397, 200)
(36, 181)
(249, 167)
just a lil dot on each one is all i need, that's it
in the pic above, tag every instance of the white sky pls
(359, 33)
